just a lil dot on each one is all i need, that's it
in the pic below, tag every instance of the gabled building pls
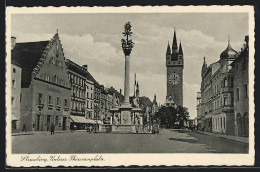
(45, 87)
(16, 75)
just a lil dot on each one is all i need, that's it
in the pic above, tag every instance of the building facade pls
(241, 99)
(45, 88)
(89, 99)
(77, 77)
(219, 91)
(16, 75)
(199, 113)
(174, 65)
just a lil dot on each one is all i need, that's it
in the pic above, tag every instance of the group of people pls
(91, 129)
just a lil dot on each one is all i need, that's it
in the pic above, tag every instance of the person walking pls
(90, 129)
(52, 128)
(24, 127)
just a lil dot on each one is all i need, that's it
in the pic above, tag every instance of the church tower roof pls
(204, 66)
(174, 43)
(180, 50)
(229, 52)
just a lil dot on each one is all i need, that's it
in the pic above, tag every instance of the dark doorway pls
(38, 122)
(64, 123)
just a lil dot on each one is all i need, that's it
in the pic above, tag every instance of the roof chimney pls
(13, 42)
(120, 91)
(85, 67)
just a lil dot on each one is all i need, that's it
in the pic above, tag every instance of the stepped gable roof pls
(27, 55)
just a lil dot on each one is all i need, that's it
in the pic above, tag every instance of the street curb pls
(21, 134)
(221, 137)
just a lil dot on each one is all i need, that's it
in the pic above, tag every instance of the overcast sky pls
(95, 40)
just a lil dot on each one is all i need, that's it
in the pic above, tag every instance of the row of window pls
(54, 78)
(77, 92)
(218, 104)
(78, 106)
(219, 123)
(77, 80)
(51, 99)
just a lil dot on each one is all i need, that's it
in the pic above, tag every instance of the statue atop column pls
(127, 44)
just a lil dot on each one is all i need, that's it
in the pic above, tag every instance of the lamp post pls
(40, 107)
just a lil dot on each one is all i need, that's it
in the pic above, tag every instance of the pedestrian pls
(75, 127)
(52, 128)
(90, 129)
(24, 127)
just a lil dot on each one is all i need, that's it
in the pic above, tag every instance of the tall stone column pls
(127, 46)
(127, 84)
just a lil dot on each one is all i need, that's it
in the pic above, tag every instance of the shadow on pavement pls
(184, 140)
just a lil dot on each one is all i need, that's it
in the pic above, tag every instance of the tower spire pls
(174, 42)
(180, 49)
(135, 85)
(229, 45)
(137, 90)
(168, 49)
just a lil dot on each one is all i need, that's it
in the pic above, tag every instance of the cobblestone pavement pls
(167, 141)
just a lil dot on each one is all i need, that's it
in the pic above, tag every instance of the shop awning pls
(99, 122)
(90, 121)
(81, 119)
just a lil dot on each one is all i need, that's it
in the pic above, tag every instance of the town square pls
(145, 83)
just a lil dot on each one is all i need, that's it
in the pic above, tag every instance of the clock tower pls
(174, 65)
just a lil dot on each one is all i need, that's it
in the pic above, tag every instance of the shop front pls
(81, 123)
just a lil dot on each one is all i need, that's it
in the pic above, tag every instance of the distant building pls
(45, 87)
(16, 96)
(241, 104)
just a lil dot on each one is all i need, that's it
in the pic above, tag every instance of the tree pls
(171, 117)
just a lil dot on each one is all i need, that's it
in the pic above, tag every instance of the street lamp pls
(40, 107)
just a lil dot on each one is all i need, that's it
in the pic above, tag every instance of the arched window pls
(62, 82)
(47, 77)
(57, 80)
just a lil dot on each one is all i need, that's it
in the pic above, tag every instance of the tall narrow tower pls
(174, 67)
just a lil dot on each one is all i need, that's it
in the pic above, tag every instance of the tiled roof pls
(78, 69)
(27, 56)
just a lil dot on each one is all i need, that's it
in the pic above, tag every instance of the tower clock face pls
(174, 79)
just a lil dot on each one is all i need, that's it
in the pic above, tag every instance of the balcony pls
(227, 90)
(66, 108)
(228, 108)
